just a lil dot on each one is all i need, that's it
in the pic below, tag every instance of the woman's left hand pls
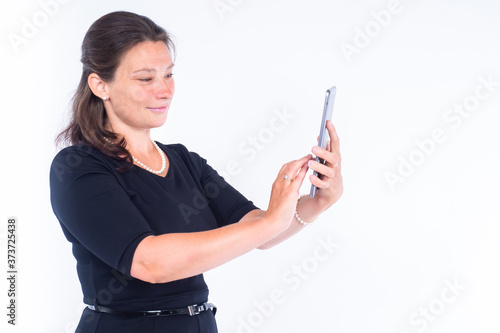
(330, 186)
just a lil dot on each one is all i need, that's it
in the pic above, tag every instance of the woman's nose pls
(166, 88)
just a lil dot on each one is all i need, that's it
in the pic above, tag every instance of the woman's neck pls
(138, 142)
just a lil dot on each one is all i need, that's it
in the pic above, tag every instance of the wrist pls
(273, 225)
(320, 204)
(307, 213)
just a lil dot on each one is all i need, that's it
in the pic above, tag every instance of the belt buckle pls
(154, 312)
(193, 310)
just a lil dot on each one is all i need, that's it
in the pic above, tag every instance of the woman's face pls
(143, 87)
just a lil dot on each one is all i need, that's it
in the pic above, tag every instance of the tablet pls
(323, 133)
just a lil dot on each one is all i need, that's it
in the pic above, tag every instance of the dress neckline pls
(169, 164)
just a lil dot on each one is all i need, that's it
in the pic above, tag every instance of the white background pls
(398, 249)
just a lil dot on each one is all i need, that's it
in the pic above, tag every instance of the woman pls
(147, 219)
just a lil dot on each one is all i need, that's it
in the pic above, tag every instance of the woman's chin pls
(158, 123)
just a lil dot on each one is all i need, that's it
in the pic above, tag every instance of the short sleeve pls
(227, 204)
(93, 209)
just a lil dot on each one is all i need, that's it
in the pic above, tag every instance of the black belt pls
(191, 310)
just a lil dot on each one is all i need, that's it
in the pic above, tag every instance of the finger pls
(291, 168)
(333, 135)
(325, 170)
(302, 174)
(329, 157)
(296, 163)
(319, 183)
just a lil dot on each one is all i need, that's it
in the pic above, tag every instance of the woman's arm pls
(208, 249)
(169, 257)
(307, 210)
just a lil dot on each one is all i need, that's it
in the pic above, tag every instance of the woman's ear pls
(98, 86)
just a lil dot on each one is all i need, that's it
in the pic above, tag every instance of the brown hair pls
(103, 47)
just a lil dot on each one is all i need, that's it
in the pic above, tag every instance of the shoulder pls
(77, 159)
(72, 156)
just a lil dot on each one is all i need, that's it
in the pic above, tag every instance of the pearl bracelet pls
(301, 221)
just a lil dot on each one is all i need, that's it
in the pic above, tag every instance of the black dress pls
(105, 214)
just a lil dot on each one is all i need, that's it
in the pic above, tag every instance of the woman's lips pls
(160, 109)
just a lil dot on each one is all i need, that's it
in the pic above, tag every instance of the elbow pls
(150, 275)
(266, 246)
(143, 273)
(150, 266)
(143, 263)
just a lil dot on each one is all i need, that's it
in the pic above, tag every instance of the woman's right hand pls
(285, 193)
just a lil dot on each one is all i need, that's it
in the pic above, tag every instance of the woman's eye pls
(168, 76)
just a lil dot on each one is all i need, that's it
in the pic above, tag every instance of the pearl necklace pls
(163, 161)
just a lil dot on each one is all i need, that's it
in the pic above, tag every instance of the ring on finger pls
(288, 178)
